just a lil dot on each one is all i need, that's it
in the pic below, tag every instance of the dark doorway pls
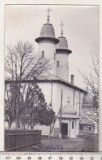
(64, 128)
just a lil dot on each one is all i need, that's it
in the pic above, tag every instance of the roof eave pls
(53, 39)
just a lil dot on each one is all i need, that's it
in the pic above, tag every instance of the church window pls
(57, 63)
(89, 128)
(42, 54)
(73, 125)
(54, 55)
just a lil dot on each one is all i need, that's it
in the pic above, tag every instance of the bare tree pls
(21, 64)
(92, 82)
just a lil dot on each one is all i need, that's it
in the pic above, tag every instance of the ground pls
(56, 144)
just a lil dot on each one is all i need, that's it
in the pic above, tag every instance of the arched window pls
(54, 55)
(72, 124)
(57, 63)
(81, 126)
(42, 54)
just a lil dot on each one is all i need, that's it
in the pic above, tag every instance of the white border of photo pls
(2, 52)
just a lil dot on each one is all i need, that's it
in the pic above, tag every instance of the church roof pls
(63, 45)
(47, 33)
(47, 30)
(68, 109)
(51, 81)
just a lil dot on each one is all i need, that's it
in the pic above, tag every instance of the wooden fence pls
(16, 139)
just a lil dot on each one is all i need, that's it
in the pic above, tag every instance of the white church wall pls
(73, 130)
(56, 130)
(62, 69)
(52, 93)
(77, 127)
(48, 48)
(77, 101)
(46, 90)
(78, 106)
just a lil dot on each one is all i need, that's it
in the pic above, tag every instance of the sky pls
(81, 28)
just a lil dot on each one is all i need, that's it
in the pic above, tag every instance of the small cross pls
(62, 24)
(48, 16)
(48, 10)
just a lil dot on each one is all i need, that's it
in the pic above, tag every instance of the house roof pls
(83, 120)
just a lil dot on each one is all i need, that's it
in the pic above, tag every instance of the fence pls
(16, 139)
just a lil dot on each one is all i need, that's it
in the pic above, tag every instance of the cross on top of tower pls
(48, 14)
(61, 25)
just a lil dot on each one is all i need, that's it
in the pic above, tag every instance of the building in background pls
(88, 120)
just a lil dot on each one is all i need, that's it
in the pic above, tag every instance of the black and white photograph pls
(51, 97)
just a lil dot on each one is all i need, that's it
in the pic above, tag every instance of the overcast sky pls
(81, 28)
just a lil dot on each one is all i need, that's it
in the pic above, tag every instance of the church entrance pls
(64, 129)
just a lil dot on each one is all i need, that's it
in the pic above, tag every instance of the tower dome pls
(47, 30)
(62, 43)
(62, 46)
(68, 109)
(47, 33)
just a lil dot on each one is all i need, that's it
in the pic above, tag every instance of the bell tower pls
(62, 55)
(47, 42)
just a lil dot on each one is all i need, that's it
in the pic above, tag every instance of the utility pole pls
(79, 104)
(51, 105)
(60, 134)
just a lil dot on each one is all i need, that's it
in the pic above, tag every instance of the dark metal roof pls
(62, 46)
(62, 43)
(47, 33)
(47, 30)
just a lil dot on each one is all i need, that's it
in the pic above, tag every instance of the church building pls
(65, 98)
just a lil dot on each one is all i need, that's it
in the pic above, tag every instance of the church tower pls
(62, 54)
(47, 43)
(57, 51)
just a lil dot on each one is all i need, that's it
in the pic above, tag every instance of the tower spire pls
(48, 14)
(61, 25)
